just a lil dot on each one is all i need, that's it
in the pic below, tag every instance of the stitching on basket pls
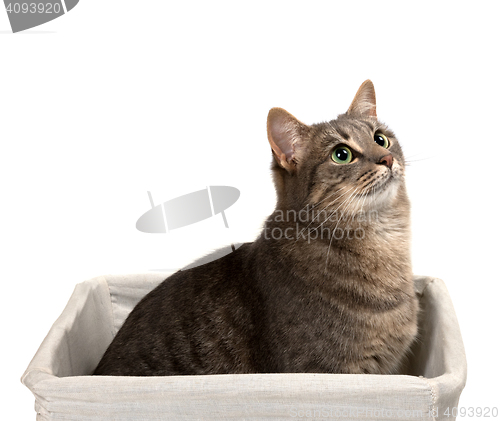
(113, 324)
(432, 405)
(433, 393)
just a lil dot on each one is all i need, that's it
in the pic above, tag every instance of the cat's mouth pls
(378, 184)
(382, 184)
(381, 191)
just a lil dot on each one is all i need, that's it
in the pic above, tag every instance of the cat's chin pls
(383, 195)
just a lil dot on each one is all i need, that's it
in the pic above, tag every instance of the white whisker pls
(326, 207)
(332, 233)
(331, 213)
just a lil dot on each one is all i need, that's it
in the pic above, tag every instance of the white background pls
(118, 98)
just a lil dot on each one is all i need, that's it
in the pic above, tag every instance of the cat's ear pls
(286, 137)
(364, 103)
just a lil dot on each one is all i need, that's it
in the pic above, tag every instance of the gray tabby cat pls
(326, 288)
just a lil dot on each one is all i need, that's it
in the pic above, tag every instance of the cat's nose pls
(386, 160)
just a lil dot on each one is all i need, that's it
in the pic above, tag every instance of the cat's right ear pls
(286, 137)
(364, 103)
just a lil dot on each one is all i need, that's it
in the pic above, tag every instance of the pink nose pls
(386, 160)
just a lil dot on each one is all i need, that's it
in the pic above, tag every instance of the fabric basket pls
(59, 374)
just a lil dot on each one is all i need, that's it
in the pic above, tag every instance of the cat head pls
(352, 163)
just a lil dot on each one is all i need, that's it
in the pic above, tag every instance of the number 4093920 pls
(34, 8)
(471, 411)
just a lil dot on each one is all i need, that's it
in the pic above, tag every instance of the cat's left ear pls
(364, 103)
(286, 137)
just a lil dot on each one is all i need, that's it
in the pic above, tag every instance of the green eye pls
(342, 155)
(381, 140)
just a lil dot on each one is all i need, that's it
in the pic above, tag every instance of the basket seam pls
(113, 319)
(432, 389)
(433, 397)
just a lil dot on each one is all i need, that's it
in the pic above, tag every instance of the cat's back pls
(199, 321)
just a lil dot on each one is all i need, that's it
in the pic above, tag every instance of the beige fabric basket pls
(59, 377)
